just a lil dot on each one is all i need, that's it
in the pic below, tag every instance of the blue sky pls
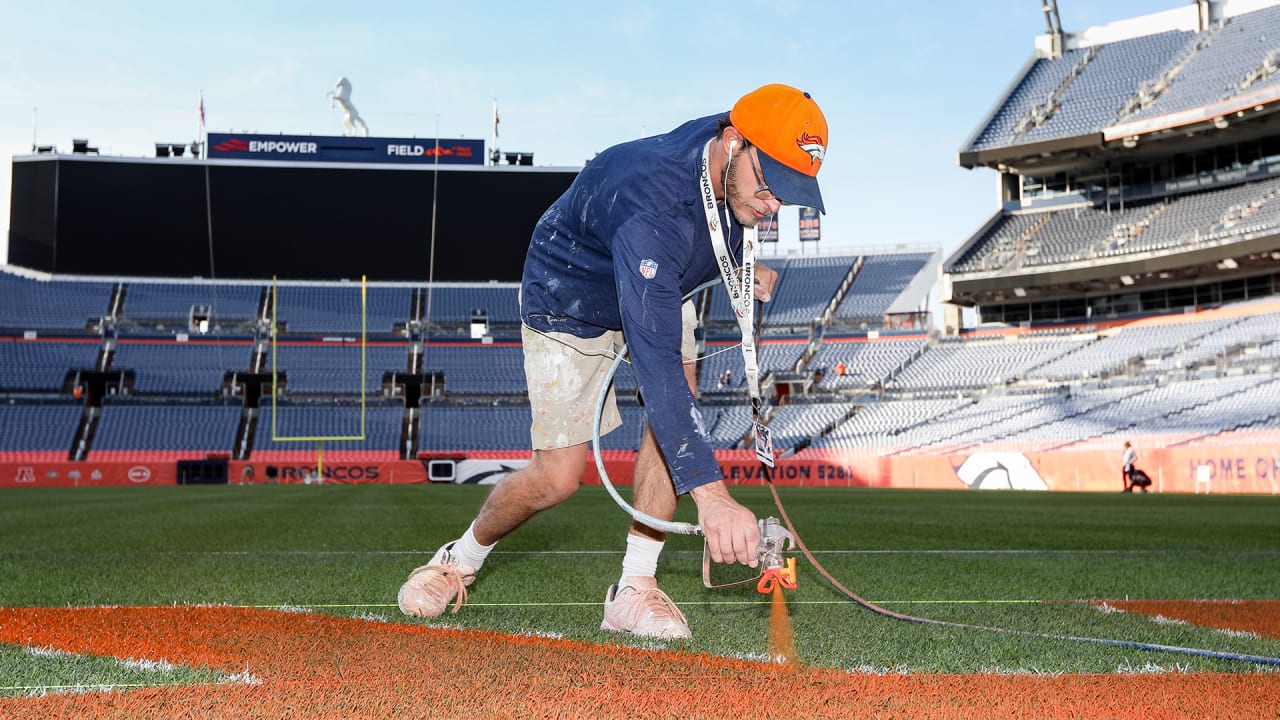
(903, 85)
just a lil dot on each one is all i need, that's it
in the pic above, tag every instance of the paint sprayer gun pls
(775, 569)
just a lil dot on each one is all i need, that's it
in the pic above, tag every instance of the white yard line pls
(922, 551)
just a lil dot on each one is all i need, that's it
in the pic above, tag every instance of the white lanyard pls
(739, 287)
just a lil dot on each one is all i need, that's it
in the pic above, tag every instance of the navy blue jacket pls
(619, 251)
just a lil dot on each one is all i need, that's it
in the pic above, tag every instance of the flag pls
(198, 145)
(810, 225)
(768, 229)
(495, 118)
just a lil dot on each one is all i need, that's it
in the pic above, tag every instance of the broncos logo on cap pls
(813, 145)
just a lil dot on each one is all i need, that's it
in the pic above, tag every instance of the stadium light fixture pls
(1130, 142)
(1228, 264)
(1126, 280)
(1020, 292)
(1220, 122)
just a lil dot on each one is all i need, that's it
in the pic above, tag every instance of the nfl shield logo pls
(648, 268)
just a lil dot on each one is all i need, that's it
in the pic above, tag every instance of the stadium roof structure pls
(1188, 75)
(1137, 156)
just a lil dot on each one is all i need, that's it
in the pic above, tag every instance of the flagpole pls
(494, 154)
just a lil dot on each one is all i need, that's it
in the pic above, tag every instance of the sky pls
(903, 84)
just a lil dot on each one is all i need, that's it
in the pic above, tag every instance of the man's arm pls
(646, 272)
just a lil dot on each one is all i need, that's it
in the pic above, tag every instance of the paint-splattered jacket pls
(620, 250)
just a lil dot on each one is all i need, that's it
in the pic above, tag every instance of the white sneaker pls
(640, 608)
(429, 588)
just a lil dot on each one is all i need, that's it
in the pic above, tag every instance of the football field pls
(1193, 572)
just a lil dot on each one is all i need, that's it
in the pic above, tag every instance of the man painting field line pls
(644, 224)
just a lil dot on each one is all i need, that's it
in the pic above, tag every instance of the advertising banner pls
(65, 473)
(322, 148)
(810, 225)
(768, 229)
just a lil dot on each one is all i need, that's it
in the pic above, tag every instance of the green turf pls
(988, 558)
(38, 671)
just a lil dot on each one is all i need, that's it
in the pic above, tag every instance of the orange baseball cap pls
(791, 132)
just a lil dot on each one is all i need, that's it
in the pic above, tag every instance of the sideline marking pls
(82, 687)
(992, 551)
(597, 603)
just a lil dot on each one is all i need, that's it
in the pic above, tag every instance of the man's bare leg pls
(551, 477)
(652, 491)
(635, 604)
(730, 528)
(651, 488)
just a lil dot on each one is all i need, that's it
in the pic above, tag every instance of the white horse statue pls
(341, 95)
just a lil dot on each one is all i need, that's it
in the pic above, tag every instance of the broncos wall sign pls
(461, 471)
(1000, 471)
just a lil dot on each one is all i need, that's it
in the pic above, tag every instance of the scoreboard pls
(255, 219)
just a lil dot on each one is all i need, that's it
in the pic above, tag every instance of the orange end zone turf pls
(1261, 617)
(319, 666)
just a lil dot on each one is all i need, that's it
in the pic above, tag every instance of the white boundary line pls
(924, 551)
(764, 600)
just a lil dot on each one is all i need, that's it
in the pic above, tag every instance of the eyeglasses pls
(762, 191)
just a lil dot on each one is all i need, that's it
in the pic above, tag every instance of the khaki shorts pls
(564, 373)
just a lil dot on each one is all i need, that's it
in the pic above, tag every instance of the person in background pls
(1132, 476)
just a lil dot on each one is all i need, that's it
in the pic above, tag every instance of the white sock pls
(641, 558)
(469, 551)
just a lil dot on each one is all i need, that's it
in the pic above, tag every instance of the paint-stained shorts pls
(564, 374)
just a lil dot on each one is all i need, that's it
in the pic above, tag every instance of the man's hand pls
(731, 530)
(766, 278)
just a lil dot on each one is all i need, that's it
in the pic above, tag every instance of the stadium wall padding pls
(1243, 468)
